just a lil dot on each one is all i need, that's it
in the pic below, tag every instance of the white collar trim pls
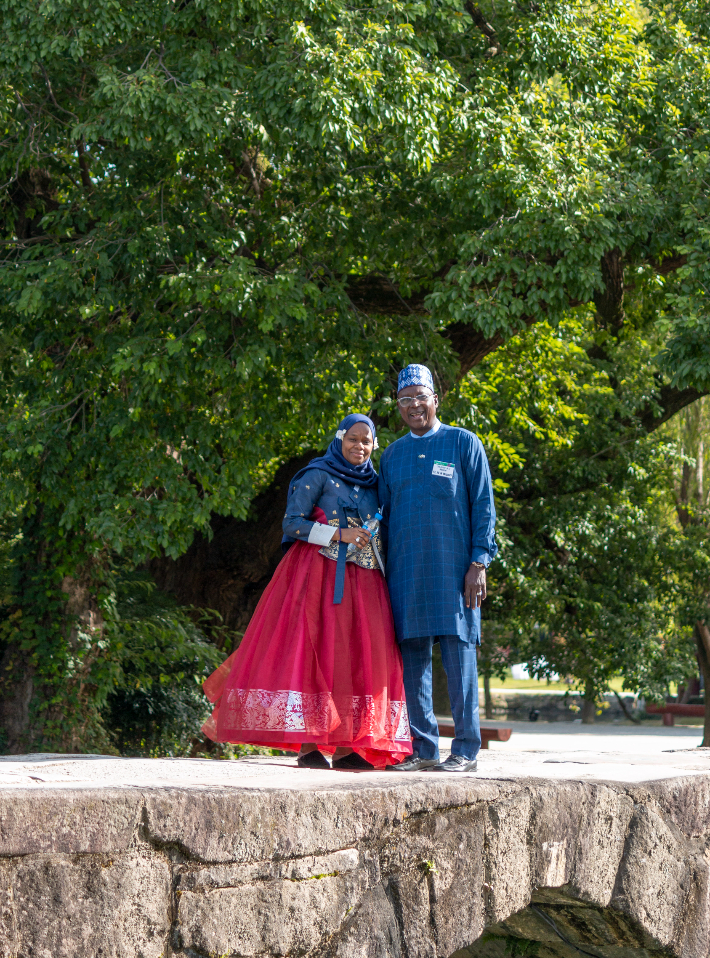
(434, 429)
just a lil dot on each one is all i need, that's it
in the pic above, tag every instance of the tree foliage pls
(223, 224)
(595, 571)
(155, 703)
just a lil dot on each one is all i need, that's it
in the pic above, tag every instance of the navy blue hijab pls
(335, 462)
(337, 465)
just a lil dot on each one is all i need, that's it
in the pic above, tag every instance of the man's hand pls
(474, 586)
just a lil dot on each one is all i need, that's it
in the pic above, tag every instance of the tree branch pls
(84, 167)
(470, 345)
(670, 400)
(488, 31)
(669, 264)
(624, 709)
(375, 293)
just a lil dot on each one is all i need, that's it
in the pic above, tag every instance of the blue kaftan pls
(439, 517)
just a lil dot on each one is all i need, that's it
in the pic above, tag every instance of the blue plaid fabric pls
(415, 375)
(435, 526)
(461, 669)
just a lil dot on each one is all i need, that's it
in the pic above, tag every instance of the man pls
(439, 520)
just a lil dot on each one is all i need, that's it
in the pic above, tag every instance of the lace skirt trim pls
(288, 710)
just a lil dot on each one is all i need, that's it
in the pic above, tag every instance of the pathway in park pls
(601, 737)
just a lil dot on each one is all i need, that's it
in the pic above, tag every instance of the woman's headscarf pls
(337, 465)
(335, 462)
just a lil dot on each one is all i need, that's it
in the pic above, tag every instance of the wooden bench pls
(487, 734)
(670, 709)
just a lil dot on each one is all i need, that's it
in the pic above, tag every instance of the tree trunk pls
(16, 691)
(609, 301)
(589, 706)
(487, 694)
(702, 639)
(229, 572)
(49, 650)
(700, 473)
(83, 628)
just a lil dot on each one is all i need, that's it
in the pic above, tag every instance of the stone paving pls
(501, 762)
(601, 737)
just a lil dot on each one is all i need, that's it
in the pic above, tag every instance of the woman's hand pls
(353, 534)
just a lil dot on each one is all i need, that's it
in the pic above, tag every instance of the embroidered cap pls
(415, 375)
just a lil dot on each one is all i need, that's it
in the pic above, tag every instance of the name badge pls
(445, 469)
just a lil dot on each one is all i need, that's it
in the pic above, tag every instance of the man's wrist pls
(478, 565)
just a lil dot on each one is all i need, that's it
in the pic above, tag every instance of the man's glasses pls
(406, 401)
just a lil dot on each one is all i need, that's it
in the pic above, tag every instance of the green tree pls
(161, 658)
(690, 430)
(594, 578)
(224, 223)
(173, 314)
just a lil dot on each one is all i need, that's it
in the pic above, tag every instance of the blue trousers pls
(461, 668)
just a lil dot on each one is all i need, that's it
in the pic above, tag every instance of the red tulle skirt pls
(311, 671)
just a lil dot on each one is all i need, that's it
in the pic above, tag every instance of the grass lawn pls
(510, 683)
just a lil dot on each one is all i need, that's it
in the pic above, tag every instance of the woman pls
(318, 670)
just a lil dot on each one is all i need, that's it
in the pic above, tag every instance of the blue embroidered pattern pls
(415, 375)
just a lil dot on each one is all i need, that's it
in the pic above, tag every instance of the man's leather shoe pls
(414, 764)
(456, 763)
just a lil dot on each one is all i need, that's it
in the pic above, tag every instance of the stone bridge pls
(538, 854)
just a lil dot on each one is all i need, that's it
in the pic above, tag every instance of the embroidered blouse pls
(318, 488)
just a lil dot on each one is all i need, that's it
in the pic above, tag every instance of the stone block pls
(691, 937)
(507, 856)
(371, 931)
(294, 912)
(68, 820)
(652, 881)
(211, 826)
(89, 906)
(435, 875)
(555, 816)
(8, 925)
(685, 802)
(603, 823)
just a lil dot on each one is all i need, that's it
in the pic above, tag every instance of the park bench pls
(487, 734)
(670, 709)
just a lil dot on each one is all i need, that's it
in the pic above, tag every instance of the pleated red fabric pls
(310, 671)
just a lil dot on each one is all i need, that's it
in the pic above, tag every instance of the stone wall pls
(350, 866)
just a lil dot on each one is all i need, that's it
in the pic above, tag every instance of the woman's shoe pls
(313, 759)
(352, 763)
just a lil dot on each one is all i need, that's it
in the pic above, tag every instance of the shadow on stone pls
(555, 925)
